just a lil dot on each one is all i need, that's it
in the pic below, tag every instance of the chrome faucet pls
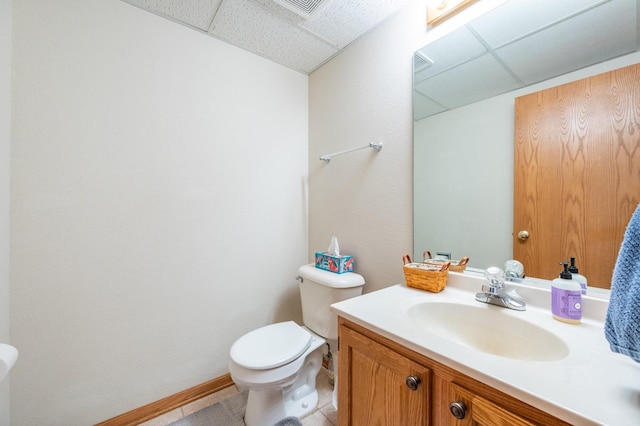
(495, 292)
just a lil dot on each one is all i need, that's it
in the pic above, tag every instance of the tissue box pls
(337, 264)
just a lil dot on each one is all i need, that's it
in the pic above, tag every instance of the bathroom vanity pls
(388, 381)
(412, 357)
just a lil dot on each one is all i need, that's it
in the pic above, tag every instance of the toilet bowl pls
(278, 363)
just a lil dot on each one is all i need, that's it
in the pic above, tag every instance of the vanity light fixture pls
(441, 10)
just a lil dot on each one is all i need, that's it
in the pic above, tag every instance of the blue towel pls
(622, 325)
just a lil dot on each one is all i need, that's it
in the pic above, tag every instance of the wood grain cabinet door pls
(381, 387)
(479, 411)
(576, 173)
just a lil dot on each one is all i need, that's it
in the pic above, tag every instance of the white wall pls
(365, 198)
(5, 134)
(465, 199)
(158, 206)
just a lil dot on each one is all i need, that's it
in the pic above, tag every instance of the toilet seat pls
(271, 346)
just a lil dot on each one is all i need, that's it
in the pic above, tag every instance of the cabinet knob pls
(413, 382)
(458, 409)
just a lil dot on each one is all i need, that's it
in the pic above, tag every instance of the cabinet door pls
(479, 411)
(378, 386)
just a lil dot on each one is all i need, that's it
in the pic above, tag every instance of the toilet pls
(278, 363)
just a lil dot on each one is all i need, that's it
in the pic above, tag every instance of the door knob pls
(413, 382)
(458, 409)
(523, 235)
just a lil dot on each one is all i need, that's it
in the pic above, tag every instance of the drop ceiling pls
(520, 43)
(299, 34)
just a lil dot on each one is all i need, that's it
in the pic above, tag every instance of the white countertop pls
(591, 386)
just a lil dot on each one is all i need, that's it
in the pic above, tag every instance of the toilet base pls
(268, 405)
(265, 407)
(303, 406)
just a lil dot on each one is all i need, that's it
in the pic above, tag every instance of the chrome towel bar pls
(375, 145)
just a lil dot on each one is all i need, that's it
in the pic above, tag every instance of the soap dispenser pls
(576, 276)
(566, 297)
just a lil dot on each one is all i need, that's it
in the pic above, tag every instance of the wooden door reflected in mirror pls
(577, 173)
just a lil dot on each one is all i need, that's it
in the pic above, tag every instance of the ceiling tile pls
(343, 21)
(196, 13)
(272, 31)
(280, 10)
(424, 107)
(472, 81)
(574, 44)
(457, 47)
(535, 40)
(253, 27)
(515, 19)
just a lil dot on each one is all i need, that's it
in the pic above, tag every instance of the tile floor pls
(325, 415)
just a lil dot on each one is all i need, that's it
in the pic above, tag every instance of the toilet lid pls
(270, 346)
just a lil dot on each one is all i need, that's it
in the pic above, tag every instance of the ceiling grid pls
(518, 44)
(302, 40)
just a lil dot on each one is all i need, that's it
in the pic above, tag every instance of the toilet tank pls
(318, 290)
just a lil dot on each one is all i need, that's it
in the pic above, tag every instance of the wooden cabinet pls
(384, 387)
(475, 410)
(384, 383)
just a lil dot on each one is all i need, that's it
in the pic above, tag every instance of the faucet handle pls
(494, 291)
(513, 269)
(495, 276)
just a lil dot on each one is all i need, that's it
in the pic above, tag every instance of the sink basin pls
(488, 329)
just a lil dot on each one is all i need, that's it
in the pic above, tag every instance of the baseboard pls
(149, 411)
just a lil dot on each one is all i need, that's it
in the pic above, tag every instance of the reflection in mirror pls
(464, 112)
(517, 44)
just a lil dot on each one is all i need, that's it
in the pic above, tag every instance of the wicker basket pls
(456, 265)
(423, 276)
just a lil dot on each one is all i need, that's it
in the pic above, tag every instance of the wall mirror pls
(464, 88)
